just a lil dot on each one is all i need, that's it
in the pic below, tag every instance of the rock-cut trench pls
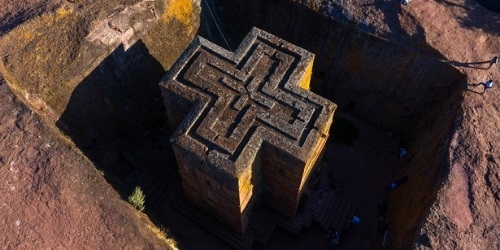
(411, 95)
(406, 93)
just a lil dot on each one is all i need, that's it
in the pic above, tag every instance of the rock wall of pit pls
(387, 85)
(492, 5)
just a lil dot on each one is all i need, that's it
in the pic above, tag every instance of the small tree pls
(137, 199)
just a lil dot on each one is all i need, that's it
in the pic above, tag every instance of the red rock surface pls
(53, 197)
(56, 198)
(466, 213)
(463, 196)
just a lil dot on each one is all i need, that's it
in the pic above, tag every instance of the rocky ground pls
(53, 196)
(467, 211)
(465, 35)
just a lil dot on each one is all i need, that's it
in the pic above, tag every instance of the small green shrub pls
(137, 199)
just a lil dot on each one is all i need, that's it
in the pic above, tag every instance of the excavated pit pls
(389, 97)
(396, 97)
(491, 5)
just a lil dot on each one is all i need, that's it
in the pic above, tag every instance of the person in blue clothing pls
(493, 61)
(355, 220)
(335, 238)
(488, 84)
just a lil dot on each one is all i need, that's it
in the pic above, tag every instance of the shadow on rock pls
(476, 18)
(117, 118)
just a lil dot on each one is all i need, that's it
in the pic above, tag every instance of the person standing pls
(493, 61)
(488, 84)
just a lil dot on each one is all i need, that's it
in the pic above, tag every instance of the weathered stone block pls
(245, 123)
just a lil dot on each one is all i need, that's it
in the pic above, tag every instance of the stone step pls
(345, 224)
(333, 212)
(341, 217)
(329, 208)
(329, 197)
(337, 213)
(318, 201)
(325, 221)
(313, 205)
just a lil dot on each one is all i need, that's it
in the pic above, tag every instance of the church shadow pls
(476, 17)
(117, 118)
